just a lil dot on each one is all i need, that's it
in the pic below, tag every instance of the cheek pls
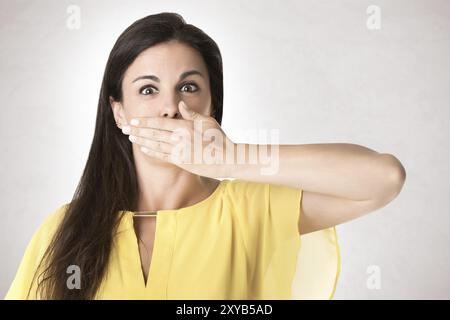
(136, 105)
(199, 103)
(200, 107)
(139, 108)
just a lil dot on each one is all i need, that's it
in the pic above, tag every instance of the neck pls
(165, 186)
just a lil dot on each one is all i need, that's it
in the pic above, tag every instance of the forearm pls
(339, 169)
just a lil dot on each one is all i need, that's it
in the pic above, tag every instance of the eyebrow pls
(182, 76)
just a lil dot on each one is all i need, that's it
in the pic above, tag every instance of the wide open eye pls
(192, 87)
(146, 90)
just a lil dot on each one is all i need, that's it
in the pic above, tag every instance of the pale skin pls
(340, 181)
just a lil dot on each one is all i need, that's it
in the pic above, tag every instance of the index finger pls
(161, 123)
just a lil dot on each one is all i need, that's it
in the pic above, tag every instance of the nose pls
(170, 108)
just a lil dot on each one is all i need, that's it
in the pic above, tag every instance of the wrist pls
(237, 160)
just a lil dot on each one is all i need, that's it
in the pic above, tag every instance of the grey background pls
(309, 68)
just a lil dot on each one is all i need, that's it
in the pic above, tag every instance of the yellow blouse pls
(241, 242)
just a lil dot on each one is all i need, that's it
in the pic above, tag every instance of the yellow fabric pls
(242, 242)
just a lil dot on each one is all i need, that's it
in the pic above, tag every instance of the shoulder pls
(238, 188)
(243, 189)
(24, 279)
(53, 219)
(45, 231)
(272, 204)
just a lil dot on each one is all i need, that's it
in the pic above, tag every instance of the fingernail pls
(132, 138)
(144, 149)
(134, 122)
(126, 129)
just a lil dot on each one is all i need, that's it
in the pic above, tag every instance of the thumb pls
(186, 112)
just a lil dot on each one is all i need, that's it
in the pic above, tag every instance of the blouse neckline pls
(215, 194)
(163, 244)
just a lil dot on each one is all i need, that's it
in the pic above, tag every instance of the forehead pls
(167, 61)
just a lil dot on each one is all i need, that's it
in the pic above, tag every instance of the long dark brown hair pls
(108, 184)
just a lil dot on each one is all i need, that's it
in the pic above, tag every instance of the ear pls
(118, 112)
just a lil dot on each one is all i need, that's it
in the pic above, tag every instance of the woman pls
(147, 224)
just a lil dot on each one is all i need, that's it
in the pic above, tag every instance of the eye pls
(147, 90)
(189, 85)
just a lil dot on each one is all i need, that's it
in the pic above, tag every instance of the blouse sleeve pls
(23, 287)
(285, 264)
